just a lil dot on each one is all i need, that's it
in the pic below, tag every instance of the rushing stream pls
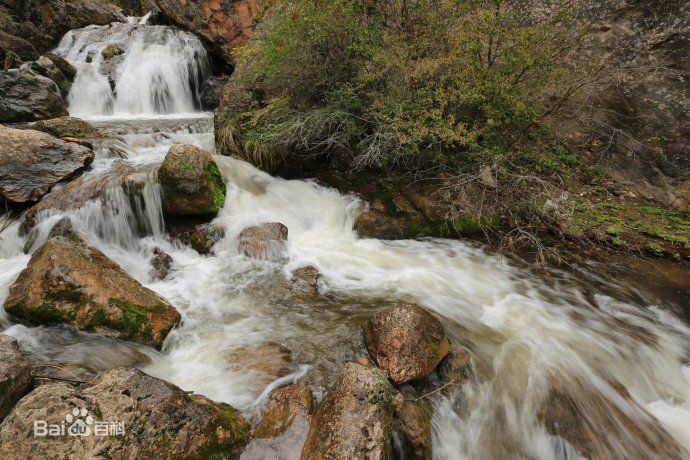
(528, 329)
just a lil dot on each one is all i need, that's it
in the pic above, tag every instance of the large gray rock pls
(16, 45)
(406, 341)
(355, 419)
(28, 96)
(191, 181)
(68, 282)
(15, 374)
(47, 67)
(158, 420)
(32, 162)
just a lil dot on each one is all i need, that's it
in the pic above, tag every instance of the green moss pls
(469, 226)
(75, 135)
(218, 188)
(44, 314)
(133, 322)
(187, 165)
(110, 51)
(655, 249)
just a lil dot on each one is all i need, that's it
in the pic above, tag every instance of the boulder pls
(201, 237)
(28, 96)
(47, 68)
(211, 92)
(151, 418)
(191, 182)
(32, 162)
(405, 341)
(355, 419)
(66, 127)
(160, 264)
(67, 69)
(413, 423)
(67, 281)
(596, 427)
(10, 44)
(283, 428)
(301, 288)
(15, 374)
(226, 24)
(264, 241)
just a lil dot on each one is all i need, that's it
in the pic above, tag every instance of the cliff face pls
(44, 22)
(634, 119)
(225, 24)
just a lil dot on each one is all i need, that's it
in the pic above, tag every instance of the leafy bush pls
(445, 87)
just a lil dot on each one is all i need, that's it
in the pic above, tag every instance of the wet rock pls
(28, 96)
(284, 405)
(161, 264)
(211, 92)
(44, 22)
(264, 241)
(15, 374)
(456, 368)
(111, 51)
(224, 23)
(413, 422)
(301, 288)
(201, 238)
(283, 428)
(269, 361)
(32, 162)
(66, 127)
(64, 228)
(355, 419)
(596, 427)
(158, 420)
(47, 68)
(67, 69)
(12, 45)
(191, 182)
(405, 341)
(67, 281)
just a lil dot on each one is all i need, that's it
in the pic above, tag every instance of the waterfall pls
(134, 69)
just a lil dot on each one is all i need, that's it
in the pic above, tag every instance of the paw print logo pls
(79, 422)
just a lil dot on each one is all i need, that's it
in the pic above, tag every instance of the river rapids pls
(620, 350)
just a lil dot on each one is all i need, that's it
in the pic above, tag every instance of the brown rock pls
(159, 420)
(405, 341)
(191, 182)
(456, 367)
(263, 242)
(413, 421)
(160, 264)
(225, 23)
(32, 162)
(283, 407)
(201, 238)
(66, 127)
(67, 281)
(16, 45)
(355, 419)
(15, 374)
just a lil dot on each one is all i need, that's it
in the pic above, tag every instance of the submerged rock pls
(191, 182)
(355, 419)
(28, 96)
(201, 238)
(284, 425)
(268, 361)
(15, 374)
(406, 341)
(596, 427)
(264, 241)
(32, 162)
(67, 281)
(156, 420)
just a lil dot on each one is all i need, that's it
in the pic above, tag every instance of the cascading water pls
(528, 331)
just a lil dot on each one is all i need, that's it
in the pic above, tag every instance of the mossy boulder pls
(191, 181)
(159, 420)
(355, 419)
(46, 66)
(405, 341)
(68, 282)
